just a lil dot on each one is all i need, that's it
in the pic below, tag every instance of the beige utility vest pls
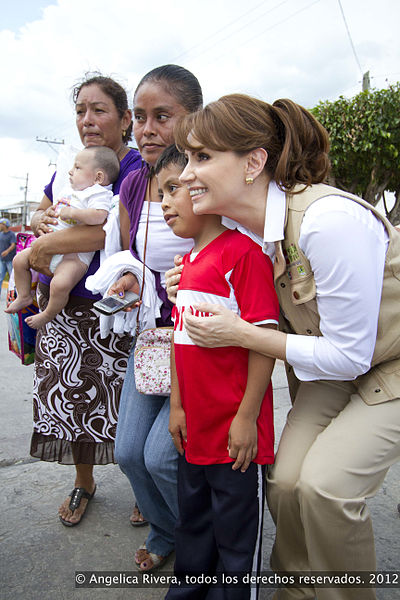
(295, 286)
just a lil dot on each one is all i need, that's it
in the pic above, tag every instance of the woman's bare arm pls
(124, 225)
(82, 238)
(225, 328)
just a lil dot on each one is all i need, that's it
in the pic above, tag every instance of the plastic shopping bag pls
(21, 337)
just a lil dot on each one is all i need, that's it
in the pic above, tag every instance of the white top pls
(162, 243)
(96, 196)
(346, 246)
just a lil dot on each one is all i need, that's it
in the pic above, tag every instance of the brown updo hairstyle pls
(296, 143)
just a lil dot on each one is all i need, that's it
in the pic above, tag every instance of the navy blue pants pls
(219, 530)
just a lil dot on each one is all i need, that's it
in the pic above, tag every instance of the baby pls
(94, 169)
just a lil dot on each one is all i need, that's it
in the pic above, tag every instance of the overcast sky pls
(301, 49)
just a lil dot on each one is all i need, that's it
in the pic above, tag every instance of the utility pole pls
(24, 212)
(366, 83)
(49, 143)
(25, 207)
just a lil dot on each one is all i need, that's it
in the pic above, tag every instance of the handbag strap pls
(144, 258)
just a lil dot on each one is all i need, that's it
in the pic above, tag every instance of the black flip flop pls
(76, 496)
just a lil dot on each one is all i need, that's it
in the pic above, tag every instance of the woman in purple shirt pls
(143, 447)
(78, 376)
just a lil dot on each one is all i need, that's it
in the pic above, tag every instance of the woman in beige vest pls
(337, 274)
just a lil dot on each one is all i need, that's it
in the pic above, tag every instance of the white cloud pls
(271, 49)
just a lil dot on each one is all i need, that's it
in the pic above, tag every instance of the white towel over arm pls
(113, 232)
(111, 269)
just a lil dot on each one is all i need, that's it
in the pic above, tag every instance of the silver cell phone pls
(113, 304)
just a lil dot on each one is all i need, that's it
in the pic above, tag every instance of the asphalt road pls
(39, 557)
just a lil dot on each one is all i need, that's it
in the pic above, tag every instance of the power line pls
(385, 76)
(240, 29)
(280, 22)
(351, 41)
(254, 37)
(217, 32)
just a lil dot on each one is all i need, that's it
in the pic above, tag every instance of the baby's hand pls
(68, 215)
(65, 212)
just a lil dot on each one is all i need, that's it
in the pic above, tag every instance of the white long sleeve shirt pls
(346, 246)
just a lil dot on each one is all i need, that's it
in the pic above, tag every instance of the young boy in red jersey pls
(221, 416)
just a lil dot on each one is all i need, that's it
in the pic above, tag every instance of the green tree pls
(365, 144)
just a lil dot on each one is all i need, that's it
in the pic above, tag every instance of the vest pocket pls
(303, 290)
(380, 384)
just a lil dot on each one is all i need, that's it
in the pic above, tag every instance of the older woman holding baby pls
(78, 376)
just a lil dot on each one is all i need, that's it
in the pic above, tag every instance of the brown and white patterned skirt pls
(78, 379)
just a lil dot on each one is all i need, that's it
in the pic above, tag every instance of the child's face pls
(83, 174)
(176, 203)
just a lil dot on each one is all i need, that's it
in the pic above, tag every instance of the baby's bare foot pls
(19, 303)
(37, 321)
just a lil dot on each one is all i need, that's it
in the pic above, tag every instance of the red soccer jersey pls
(231, 271)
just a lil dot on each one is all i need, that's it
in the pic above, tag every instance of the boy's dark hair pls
(170, 156)
(106, 159)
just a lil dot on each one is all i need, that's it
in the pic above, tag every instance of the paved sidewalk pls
(39, 557)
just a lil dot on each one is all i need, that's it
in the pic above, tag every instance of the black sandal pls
(76, 496)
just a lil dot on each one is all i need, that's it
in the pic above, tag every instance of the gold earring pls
(249, 180)
(123, 133)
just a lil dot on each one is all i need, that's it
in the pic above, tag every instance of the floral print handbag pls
(152, 361)
(152, 350)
